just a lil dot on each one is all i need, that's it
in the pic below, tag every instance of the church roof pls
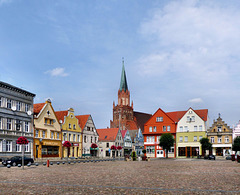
(123, 83)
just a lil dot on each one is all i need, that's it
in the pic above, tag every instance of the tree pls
(236, 144)
(166, 142)
(206, 145)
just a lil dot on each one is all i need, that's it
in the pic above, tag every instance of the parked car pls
(229, 157)
(211, 157)
(15, 160)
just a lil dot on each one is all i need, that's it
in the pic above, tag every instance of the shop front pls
(47, 148)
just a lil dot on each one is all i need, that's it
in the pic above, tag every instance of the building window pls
(0, 145)
(181, 151)
(181, 128)
(0, 123)
(159, 119)
(150, 129)
(74, 126)
(219, 129)
(9, 103)
(91, 139)
(200, 127)
(195, 138)
(8, 146)
(186, 139)
(18, 148)
(171, 150)
(158, 139)
(78, 138)
(168, 128)
(52, 134)
(9, 124)
(64, 136)
(200, 137)
(150, 139)
(18, 106)
(18, 125)
(69, 137)
(188, 118)
(154, 129)
(69, 126)
(85, 139)
(36, 133)
(186, 128)
(164, 128)
(180, 139)
(212, 139)
(43, 134)
(193, 118)
(0, 101)
(57, 135)
(226, 139)
(74, 137)
(96, 139)
(46, 121)
(26, 127)
(27, 147)
(219, 139)
(26, 107)
(150, 149)
(195, 128)
(107, 145)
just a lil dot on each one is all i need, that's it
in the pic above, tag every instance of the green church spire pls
(123, 83)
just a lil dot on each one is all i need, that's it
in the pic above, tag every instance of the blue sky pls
(178, 54)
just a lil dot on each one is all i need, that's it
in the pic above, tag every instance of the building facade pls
(191, 128)
(16, 120)
(139, 142)
(220, 135)
(236, 131)
(127, 142)
(72, 132)
(154, 128)
(107, 138)
(89, 135)
(47, 132)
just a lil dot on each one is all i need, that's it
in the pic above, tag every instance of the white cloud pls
(195, 39)
(196, 100)
(57, 72)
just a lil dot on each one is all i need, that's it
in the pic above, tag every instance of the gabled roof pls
(131, 125)
(141, 118)
(108, 134)
(37, 108)
(82, 120)
(60, 115)
(123, 132)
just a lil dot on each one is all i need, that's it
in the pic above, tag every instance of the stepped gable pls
(108, 134)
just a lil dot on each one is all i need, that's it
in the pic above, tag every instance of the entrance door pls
(159, 153)
(188, 152)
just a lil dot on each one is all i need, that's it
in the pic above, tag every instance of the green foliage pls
(166, 142)
(144, 151)
(206, 145)
(236, 144)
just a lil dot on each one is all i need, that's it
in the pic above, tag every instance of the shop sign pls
(50, 143)
(75, 144)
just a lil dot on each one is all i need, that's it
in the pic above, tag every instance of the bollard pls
(47, 163)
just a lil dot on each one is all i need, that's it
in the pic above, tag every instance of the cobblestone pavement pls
(165, 176)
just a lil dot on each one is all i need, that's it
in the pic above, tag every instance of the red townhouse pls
(158, 124)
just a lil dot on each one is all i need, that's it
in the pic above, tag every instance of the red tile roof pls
(123, 132)
(37, 108)
(108, 134)
(60, 115)
(131, 125)
(82, 120)
(141, 118)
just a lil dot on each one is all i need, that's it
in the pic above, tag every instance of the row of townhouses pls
(129, 130)
(45, 129)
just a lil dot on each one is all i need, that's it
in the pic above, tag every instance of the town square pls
(160, 176)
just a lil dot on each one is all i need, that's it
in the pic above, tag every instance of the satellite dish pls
(14, 108)
(29, 112)
(60, 121)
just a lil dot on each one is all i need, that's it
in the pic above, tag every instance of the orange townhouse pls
(157, 125)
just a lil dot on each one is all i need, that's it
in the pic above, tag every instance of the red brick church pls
(123, 113)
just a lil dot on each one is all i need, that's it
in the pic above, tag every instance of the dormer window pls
(219, 129)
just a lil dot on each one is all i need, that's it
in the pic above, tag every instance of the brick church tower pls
(123, 113)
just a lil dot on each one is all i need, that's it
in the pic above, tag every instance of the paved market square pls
(159, 176)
